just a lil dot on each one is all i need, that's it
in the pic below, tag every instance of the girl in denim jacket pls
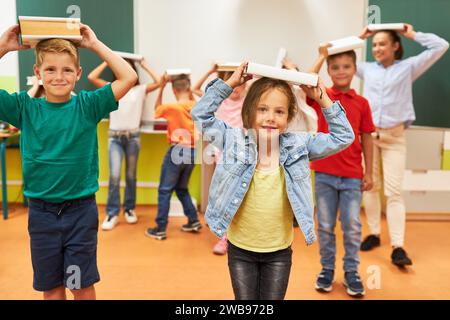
(263, 179)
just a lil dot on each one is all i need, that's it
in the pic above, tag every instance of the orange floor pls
(133, 266)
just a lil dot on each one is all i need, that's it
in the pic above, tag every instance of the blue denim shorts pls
(63, 240)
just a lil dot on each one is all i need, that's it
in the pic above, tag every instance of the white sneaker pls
(130, 216)
(110, 222)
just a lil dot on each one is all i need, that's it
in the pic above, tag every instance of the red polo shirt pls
(347, 163)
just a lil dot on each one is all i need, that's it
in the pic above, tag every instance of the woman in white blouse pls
(388, 87)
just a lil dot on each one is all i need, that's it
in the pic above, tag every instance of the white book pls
(30, 81)
(282, 74)
(177, 72)
(130, 56)
(345, 44)
(281, 55)
(386, 26)
(227, 66)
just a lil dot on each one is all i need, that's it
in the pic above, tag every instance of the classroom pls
(139, 167)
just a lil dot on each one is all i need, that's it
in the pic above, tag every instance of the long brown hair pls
(257, 89)
(393, 35)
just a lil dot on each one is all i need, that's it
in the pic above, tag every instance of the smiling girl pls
(263, 179)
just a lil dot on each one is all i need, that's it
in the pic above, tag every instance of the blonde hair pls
(257, 89)
(56, 46)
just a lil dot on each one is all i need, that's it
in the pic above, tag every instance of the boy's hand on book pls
(367, 182)
(408, 32)
(9, 40)
(164, 79)
(239, 77)
(366, 33)
(89, 38)
(323, 49)
(214, 68)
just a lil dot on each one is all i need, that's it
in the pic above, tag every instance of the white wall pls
(8, 64)
(192, 34)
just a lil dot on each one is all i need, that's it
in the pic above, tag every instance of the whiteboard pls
(192, 34)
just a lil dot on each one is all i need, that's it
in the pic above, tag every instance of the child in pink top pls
(230, 112)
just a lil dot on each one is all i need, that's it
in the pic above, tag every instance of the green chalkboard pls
(111, 20)
(431, 90)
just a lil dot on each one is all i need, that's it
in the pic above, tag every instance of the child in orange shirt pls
(178, 162)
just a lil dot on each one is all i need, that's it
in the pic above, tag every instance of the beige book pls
(35, 29)
(227, 66)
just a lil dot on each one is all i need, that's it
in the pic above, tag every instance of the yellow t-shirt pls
(263, 222)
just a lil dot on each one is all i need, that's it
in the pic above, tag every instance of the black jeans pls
(259, 276)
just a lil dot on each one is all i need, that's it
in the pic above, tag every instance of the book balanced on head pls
(227, 66)
(291, 76)
(176, 73)
(386, 26)
(345, 44)
(35, 29)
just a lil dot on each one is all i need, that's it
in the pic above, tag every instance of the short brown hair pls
(257, 89)
(181, 83)
(56, 46)
(350, 53)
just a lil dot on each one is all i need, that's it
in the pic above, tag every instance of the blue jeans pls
(333, 193)
(118, 148)
(176, 170)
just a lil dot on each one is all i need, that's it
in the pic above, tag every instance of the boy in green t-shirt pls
(59, 152)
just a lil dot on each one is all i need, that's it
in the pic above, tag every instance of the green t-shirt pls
(58, 141)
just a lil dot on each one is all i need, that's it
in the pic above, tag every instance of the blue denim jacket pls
(234, 172)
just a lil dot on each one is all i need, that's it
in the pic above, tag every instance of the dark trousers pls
(176, 170)
(259, 276)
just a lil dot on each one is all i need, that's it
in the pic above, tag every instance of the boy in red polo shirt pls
(340, 179)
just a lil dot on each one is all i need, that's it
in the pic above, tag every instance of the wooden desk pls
(4, 137)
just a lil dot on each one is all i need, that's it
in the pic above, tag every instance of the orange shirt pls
(180, 127)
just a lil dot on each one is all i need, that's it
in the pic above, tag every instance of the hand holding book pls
(239, 77)
(409, 32)
(366, 33)
(89, 39)
(9, 41)
(323, 49)
(318, 94)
